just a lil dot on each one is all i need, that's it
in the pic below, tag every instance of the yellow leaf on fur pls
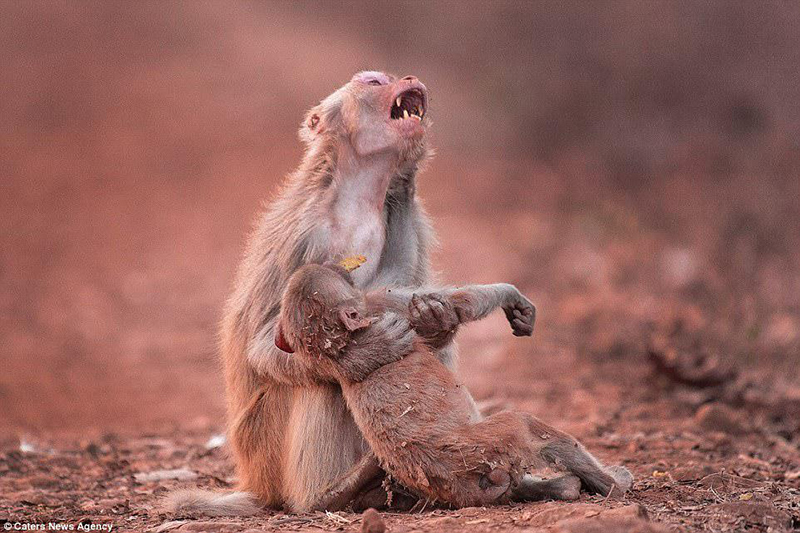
(353, 262)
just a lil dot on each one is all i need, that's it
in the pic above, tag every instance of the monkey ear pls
(280, 340)
(352, 319)
(313, 125)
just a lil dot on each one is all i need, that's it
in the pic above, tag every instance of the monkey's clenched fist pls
(521, 314)
(434, 318)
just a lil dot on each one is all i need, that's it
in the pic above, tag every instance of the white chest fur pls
(357, 225)
(360, 233)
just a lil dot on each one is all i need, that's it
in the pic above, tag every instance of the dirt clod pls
(719, 417)
(372, 522)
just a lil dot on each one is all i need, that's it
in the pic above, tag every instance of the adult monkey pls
(354, 193)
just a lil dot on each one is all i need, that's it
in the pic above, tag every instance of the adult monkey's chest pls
(359, 232)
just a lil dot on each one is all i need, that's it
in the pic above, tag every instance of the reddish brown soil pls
(609, 288)
(140, 151)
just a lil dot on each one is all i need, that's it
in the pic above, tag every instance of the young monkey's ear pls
(280, 340)
(352, 319)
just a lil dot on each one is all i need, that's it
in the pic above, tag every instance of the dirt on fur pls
(668, 294)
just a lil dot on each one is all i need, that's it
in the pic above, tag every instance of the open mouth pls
(409, 104)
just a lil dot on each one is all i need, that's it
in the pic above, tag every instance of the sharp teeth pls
(416, 117)
(405, 113)
(397, 102)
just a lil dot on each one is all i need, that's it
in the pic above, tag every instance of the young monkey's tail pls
(197, 502)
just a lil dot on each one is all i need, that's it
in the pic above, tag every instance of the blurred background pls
(633, 166)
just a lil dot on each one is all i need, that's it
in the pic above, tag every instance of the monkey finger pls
(437, 297)
(521, 329)
(449, 310)
(437, 310)
(414, 308)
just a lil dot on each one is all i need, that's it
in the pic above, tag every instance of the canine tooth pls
(405, 113)
(416, 117)
(397, 102)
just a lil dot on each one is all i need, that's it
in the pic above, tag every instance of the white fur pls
(208, 503)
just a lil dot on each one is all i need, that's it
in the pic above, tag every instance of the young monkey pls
(417, 420)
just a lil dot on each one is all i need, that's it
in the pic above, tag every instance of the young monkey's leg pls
(564, 487)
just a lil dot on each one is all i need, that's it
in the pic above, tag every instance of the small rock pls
(169, 526)
(215, 441)
(442, 523)
(89, 506)
(635, 510)
(210, 527)
(27, 446)
(372, 522)
(792, 476)
(92, 449)
(181, 474)
(691, 472)
(728, 482)
(718, 417)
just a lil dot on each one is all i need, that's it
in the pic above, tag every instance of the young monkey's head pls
(320, 309)
(376, 113)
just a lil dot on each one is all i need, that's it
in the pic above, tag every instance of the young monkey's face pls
(376, 113)
(320, 308)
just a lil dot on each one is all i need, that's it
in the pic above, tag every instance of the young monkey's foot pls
(433, 317)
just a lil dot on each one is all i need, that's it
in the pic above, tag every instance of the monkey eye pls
(373, 81)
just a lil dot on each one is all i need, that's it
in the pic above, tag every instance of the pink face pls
(387, 112)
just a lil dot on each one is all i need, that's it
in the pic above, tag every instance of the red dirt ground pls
(141, 149)
(609, 287)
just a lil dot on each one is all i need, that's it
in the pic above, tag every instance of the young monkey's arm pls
(436, 314)
(474, 302)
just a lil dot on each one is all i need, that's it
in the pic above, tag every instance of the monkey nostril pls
(410, 78)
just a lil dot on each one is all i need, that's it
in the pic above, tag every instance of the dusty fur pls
(353, 193)
(418, 420)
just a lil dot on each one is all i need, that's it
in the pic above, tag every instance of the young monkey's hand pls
(521, 314)
(434, 318)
